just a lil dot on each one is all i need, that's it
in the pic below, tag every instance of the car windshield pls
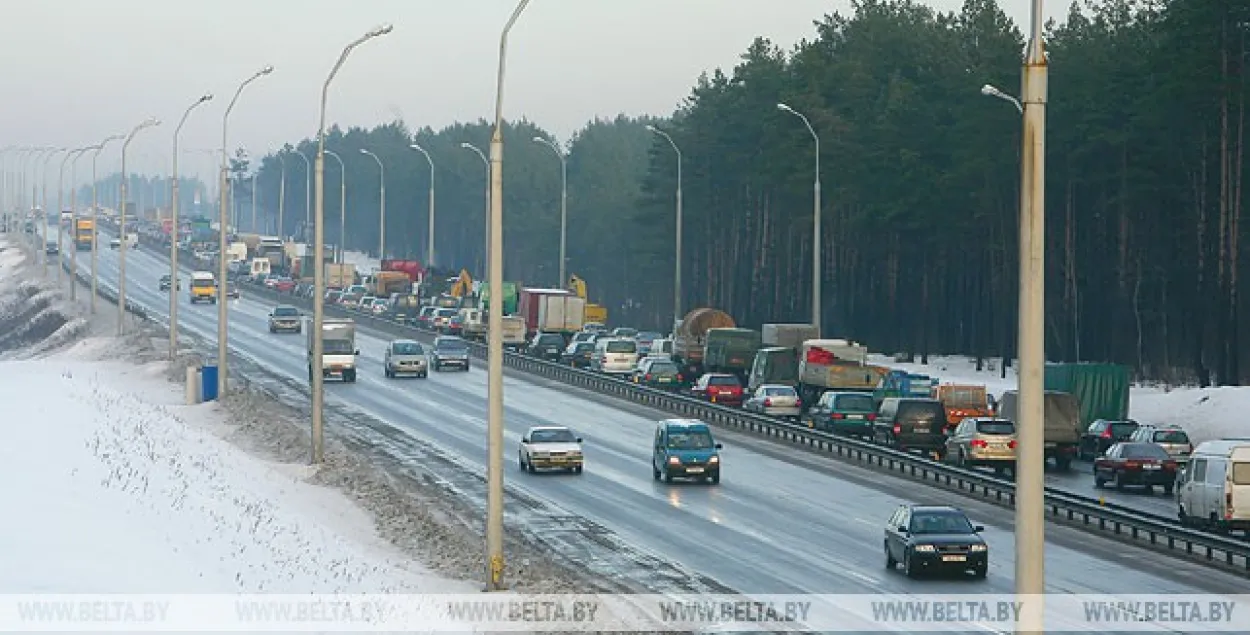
(622, 346)
(583, 347)
(663, 368)
(1170, 436)
(690, 440)
(996, 427)
(647, 336)
(624, 332)
(446, 312)
(337, 347)
(859, 403)
(1241, 473)
(550, 340)
(723, 380)
(407, 348)
(939, 523)
(1143, 451)
(200, 282)
(779, 391)
(451, 345)
(286, 311)
(552, 436)
(1121, 429)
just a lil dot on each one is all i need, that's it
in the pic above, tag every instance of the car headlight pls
(577, 454)
(715, 459)
(672, 460)
(540, 455)
(925, 548)
(979, 548)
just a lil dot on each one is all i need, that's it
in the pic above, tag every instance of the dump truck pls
(730, 350)
(338, 348)
(690, 339)
(383, 283)
(84, 234)
(840, 365)
(1101, 389)
(962, 401)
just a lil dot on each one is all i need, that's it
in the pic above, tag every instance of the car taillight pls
(897, 428)
(837, 415)
(1169, 466)
(979, 443)
(872, 417)
(768, 403)
(647, 377)
(1132, 465)
(1228, 505)
(1012, 444)
(798, 403)
(1106, 434)
(679, 377)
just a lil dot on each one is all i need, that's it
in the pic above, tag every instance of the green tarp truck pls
(1102, 389)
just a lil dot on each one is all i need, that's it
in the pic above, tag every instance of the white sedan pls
(550, 447)
(775, 400)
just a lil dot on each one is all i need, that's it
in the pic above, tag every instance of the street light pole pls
(429, 247)
(254, 173)
(121, 229)
(308, 169)
(60, 205)
(382, 208)
(175, 234)
(95, 217)
(43, 186)
(319, 246)
(487, 227)
(222, 284)
(342, 207)
(564, 204)
(816, 238)
(281, 192)
(677, 268)
(494, 357)
(73, 258)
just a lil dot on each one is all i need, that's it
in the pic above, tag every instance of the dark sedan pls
(931, 538)
(1141, 464)
(578, 354)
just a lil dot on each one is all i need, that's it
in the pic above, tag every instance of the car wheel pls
(387, 372)
(1167, 490)
(1119, 480)
(908, 569)
(577, 470)
(1099, 482)
(716, 479)
(520, 461)
(981, 571)
(655, 472)
(668, 476)
(531, 468)
(1063, 464)
(890, 562)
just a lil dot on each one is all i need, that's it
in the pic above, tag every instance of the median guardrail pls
(1147, 529)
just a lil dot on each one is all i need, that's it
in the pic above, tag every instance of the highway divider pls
(1130, 525)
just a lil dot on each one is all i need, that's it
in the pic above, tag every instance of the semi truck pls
(338, 348)
(84, 234)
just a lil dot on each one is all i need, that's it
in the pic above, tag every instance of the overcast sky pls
(76, 71)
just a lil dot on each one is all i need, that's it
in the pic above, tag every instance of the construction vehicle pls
(690, 339)
(463, 286)
(84, 234)
(838, 365)
(594, 313)
(338, 349)
(962, 401)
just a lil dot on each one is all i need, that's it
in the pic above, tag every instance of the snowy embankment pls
(363, 263)
(1206, 413)
(112, 485)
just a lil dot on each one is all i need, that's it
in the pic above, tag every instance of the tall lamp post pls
(121, 228)
(319, 246)
(308, 173)
(816, 268)
(222, 284)
(253, 197)
(487, 227)
(342, 255)
(174, 232)
(60, 206)
(677, 259)
(95, 216)
(429, 247)
(494, 357)
(43, 187)
(73, 204)
(281, 192)
(564, 203)
(382, 204)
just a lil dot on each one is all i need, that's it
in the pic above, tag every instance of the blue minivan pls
(684, 448)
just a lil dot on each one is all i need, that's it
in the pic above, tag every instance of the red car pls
(718, 388)
(1144, 464)
(284, 285)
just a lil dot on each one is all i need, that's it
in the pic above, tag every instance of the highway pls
(781, 521)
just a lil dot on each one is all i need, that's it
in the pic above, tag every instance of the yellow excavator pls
(594, 312)
(463, 286)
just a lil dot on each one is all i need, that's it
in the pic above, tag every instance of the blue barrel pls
(208, 385)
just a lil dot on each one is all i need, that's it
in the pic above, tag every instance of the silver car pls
(550, 447)
(775, 400)
(1171, 438)
(406, 357)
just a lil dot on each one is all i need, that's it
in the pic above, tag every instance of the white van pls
(1214, 489)
(615, 356)
(661, 348)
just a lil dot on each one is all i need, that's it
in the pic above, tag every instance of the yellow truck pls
(593, 313)
(84, 234)
(203, 287)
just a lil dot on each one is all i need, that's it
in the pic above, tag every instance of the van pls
(1213, 490)
(684, 448)
(911, 423)
(615, 356)
(203, 287)
(1062, 427)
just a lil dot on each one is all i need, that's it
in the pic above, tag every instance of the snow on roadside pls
(363, 263)
(113, 486)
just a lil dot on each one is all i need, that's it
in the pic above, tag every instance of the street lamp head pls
(364, 151)
(989, 90)
(206, 97)
(652, 128)
(467, 146)
(266, 70)
(415, 146)
(781, 106)
(153, 121)
(539, 139)
(381, 30)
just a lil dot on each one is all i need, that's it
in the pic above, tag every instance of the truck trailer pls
(338, 348)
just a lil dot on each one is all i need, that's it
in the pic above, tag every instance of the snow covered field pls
(115, 486)
(1206, 413)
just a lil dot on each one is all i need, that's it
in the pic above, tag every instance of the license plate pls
(694, 470)
(855, 417)
(998, 447)
(553, 350)
(1150, 467)
(665, 380)
(920, 430)
(954, 558)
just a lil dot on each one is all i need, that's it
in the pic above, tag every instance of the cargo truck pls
(777, 361)
(84, 234)
(383, 283)
(550, 311)
(1101, 389)
(340, 276)
(962, 401)
(839, 365)
(690, 338)
(203, 287)
(514, 335)
(730, 350)
(511, 298)
(338, 348)
(1062, 423)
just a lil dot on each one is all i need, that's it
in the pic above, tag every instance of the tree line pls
(920, 187)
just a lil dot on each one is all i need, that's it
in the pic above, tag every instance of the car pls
(1130, 463)
(658, 373)
(644, 339)
(116, 243)
(285, 318)
(1171, 437)
(847, 413)
(624, 332)
(1102, 434)
(449, 351)
(720, 388)
(775, 400)
(578, 354)
(983, 442)
(546, 346)
(232, 291)
(928, 538)
(550, 447)
(684, 448)
(167, 281)
(52, 248)
(405, 357)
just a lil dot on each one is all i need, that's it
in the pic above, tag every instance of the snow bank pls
(111, 486)
(363, 263)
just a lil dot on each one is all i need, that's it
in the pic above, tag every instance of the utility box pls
(208, 383)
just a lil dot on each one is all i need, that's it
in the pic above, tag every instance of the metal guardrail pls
(1080, 511)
